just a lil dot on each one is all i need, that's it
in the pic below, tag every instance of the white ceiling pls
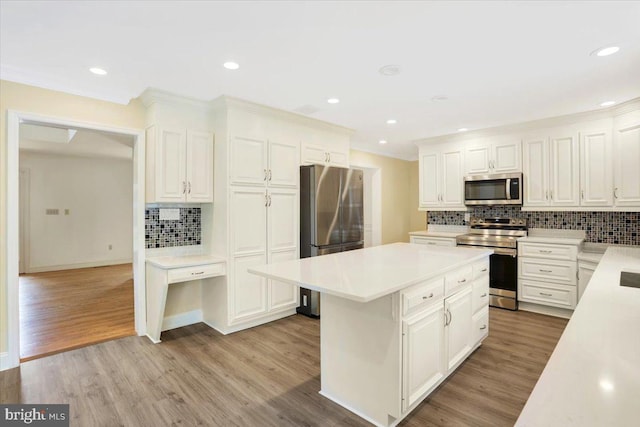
(496, 62)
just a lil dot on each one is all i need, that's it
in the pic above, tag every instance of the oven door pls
(503, 279)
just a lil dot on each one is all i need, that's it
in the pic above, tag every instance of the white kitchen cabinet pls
(551, 169)
(437, 241)
(423, 362)
(627, 160)
(179, 166)
(596, 182)
(458, 335)
(256, 161)
(328, 154)
(441, 178)
(495, 157)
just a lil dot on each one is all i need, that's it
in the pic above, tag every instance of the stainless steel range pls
(501, 234)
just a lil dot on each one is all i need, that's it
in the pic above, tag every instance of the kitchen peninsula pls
(396, 320)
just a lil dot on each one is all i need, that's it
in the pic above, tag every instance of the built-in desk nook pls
(166, 270)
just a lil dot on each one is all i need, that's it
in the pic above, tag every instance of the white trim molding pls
(182, 319)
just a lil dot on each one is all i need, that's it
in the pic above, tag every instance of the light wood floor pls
(269, 376)
(62, 310)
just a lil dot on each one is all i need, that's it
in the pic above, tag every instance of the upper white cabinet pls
(551, 169)
(596, 178)
(325, 154)
(441, 177)
(627, 160)
(179, 166)
(256, 161)
(498, 156)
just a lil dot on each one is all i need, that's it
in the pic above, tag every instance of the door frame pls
(14, 118)
(24, 186)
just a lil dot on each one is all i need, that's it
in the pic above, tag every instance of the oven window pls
(494, 189)
(504, 272)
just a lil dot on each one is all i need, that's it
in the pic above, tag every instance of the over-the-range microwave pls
(498, 189)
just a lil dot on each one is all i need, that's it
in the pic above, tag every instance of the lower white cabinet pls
(458, 337)
(423, 362)
(436, 241)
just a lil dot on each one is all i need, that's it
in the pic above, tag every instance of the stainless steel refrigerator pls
(331, 218)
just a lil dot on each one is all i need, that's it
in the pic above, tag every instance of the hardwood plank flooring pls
(63, 310)
(269, 376)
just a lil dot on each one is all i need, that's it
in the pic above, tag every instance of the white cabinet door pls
(248, 220)
(248, 164)
(423, 363)
(506, 157)
(536, 172)
(282, 213)
(564, 174)
(452, 178)
(429, 174)
(315, 154)
(249, 291)
(627, 165)
(284, 168)
(171, 184)
(199, 167)
(338, 157)
(458, 310)
(477, 158)
(595, 168)
(282, 295)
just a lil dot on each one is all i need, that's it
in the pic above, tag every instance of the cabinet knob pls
(427, 297)
(483, 327)
(483, 295)
(462, 281)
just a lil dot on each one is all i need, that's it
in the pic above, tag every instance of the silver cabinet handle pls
(269, 201)
(326, 157)
(431, 243)
(269, 175)
(266, 199)
(462, 281)
(483, 327)
(551, 194)
(184, 187)
(265, 175)
(615, 193)
(447, 318)
(199, 272)
(545, 271)
(189, 187)
(545, 251)
(545, 294)
(427, 297)
(546, 194)
(483, 270)
(582, 194)
(329, 157)
(483, 295)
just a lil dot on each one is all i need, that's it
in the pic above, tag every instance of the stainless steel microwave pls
(499, 189)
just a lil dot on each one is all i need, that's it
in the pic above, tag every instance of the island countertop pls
(593, 375)
(364, 275)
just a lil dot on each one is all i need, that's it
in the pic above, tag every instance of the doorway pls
(14, 121)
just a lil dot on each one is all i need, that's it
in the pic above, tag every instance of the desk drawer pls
(455, 281)
(437, 241)
(548, 250)
(422, 295)
(541, 269)
(184, 274)
(481, 268)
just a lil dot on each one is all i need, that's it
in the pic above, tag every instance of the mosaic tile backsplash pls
(183, 232)
(620, 228)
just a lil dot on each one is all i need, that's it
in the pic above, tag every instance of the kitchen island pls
(593, 375)
(395, 321)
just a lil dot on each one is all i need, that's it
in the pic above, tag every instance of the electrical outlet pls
(66, 211)
(467, 217)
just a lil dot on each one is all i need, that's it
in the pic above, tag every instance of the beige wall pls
(399, 194)
(29, 99)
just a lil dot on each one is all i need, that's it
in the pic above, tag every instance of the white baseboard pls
(5, 362)
(79, 265)
(182, 319)
(545, 309)
(225, 330)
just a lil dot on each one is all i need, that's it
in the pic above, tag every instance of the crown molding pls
(152, 96)
(568, 119)
(229, 102)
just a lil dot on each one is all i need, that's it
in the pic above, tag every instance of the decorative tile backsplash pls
(183, 232)
(621, 228)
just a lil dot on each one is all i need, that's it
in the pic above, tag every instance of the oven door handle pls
(504, 251)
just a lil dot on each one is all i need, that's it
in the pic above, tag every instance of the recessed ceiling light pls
(605, 51)
(392, 121)
(382, 141)
(98, 71)
(439, 98)
(333, 100)
(390, 70)
(463, 129)
(231, 65)
(607, 103)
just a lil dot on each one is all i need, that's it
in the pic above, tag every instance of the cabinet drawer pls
(548, 270)
(436, 241)
(422, 295)
(176, 275)
(548, 250)
(480, 325)
(456, 280)
(480, 293)
(547, 294)
(481, 268)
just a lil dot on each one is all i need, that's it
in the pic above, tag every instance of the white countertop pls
(427, 233)
(179, 261)
(593, 375)
(367, 274)
(556, 240)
